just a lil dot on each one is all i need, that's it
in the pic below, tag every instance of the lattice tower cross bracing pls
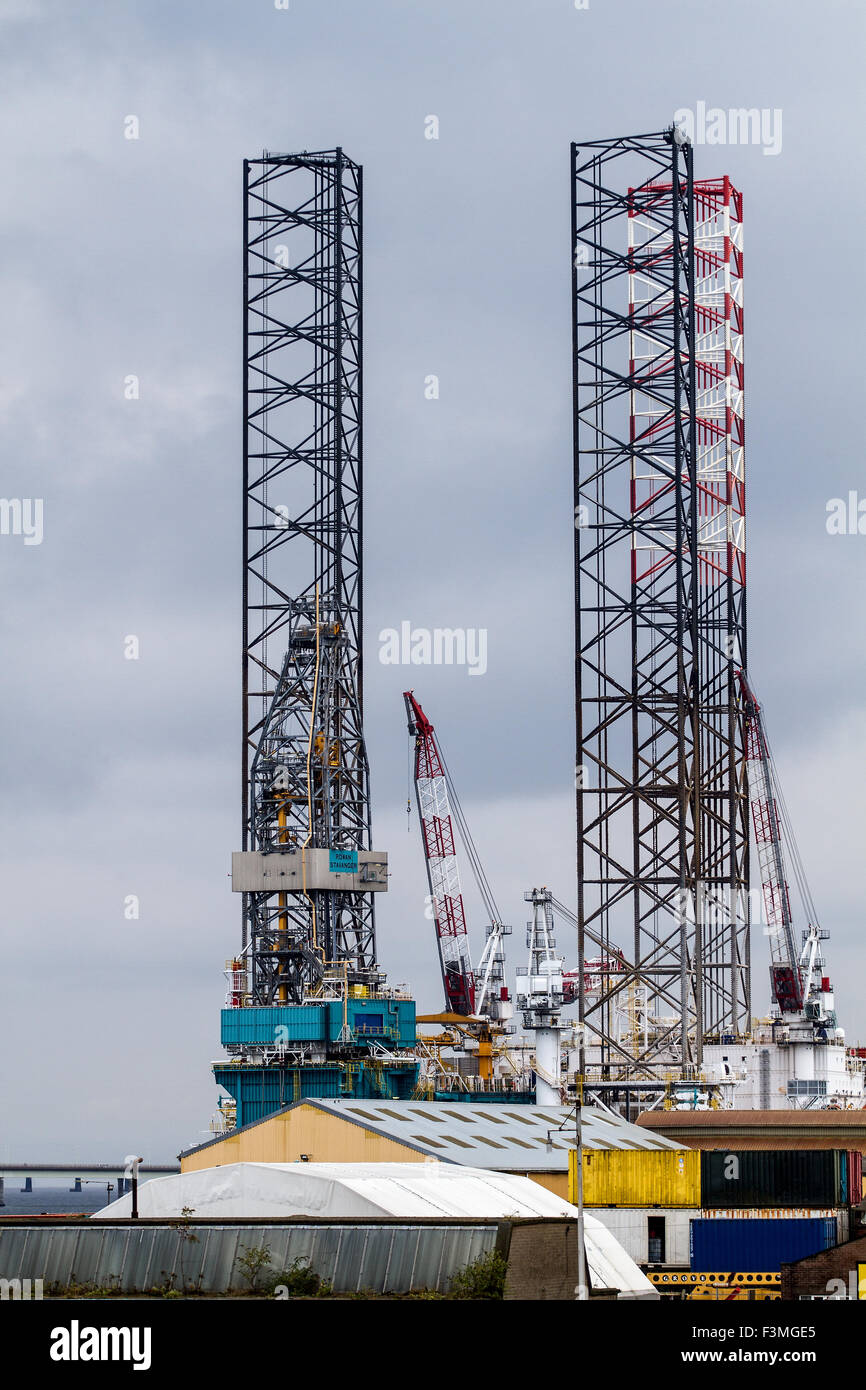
(304, 770)
(659, 492)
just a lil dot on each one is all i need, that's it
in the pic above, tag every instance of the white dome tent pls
(343, 1191)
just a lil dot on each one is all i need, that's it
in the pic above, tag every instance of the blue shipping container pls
(388, 1021)
(757, 1245)
(264, 1027)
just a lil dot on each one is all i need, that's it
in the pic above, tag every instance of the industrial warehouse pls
(662, 1118)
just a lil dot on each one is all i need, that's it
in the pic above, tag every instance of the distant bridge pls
(35, 1177)
(11, 1170)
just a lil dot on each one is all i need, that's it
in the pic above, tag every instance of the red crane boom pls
(443, 878)
(785, 973)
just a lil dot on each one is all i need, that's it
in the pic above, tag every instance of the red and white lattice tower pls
(443, 878)
(720, 452)
(660, 616)
(719, 419)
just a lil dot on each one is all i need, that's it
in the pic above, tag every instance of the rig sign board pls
(342, 861)
(310, 870)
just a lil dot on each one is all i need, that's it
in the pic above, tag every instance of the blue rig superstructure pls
(360, 1047)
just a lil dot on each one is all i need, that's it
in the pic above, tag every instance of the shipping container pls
(264, 1027)
(774, 1178)
(638, 1178)
(385, 1021)
(842, 1215)
(855, 1177)
(651, 1235)
(756, 1245)
(659, 1236)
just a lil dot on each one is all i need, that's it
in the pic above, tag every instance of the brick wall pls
(542, 1260)
(812, 1275)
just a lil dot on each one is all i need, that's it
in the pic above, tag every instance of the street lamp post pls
(582, 1290)
(132, 1171)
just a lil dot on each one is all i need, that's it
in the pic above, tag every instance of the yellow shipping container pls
(637, 1177)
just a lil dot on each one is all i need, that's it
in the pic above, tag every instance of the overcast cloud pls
(123, 257)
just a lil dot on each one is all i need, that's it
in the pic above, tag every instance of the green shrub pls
(299, 1281)
(254, 1259)
(482, 1278)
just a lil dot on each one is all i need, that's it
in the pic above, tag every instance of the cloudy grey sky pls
(121, 257)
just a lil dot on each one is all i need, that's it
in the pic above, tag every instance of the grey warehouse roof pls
(533, 1138)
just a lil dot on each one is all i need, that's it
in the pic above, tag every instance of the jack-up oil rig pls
(671, 746)
(671, 751)
(307, 1011)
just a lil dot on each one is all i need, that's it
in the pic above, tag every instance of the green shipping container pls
(774, 1178)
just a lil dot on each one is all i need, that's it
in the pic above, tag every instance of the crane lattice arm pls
(443, 878)
(785, 973)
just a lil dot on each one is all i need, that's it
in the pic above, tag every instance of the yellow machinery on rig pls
(457, 1028)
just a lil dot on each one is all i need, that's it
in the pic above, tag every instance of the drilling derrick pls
(659, 499)
(313, 1016)
(309, 794)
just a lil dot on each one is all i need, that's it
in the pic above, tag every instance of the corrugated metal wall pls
(840, 1214)
(393, 1257)
(769, 1129)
